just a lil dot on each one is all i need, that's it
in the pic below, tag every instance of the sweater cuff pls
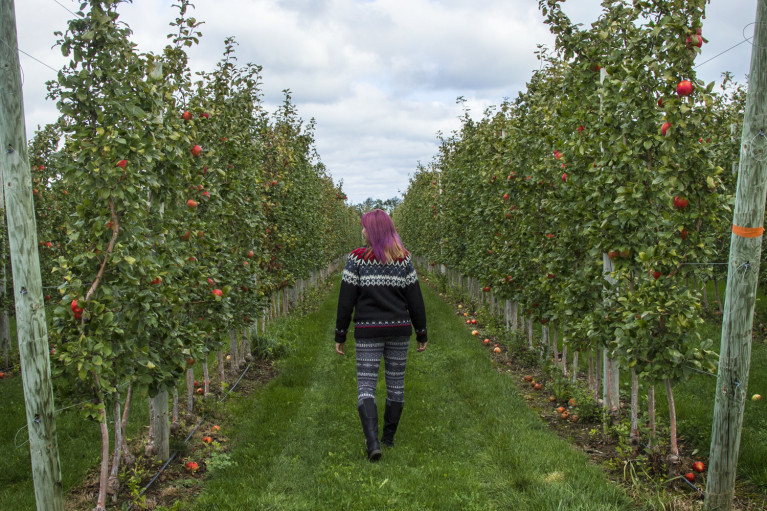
(340, 336)
(420, 335)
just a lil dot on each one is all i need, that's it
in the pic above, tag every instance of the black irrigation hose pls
(194, 430)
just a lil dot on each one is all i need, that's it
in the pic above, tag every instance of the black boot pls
(369, 418)
(391, 420)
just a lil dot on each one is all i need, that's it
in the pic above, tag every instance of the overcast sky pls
(380, 77)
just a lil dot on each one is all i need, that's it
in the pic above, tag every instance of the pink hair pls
(384, 240)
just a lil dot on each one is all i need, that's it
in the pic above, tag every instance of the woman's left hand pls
(340, 348)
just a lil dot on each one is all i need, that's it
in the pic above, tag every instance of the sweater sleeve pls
(415, 304)
(347, 298)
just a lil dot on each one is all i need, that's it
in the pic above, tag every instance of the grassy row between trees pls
(467, 439)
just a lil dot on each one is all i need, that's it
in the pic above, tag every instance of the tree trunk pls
(651, 415)
(555, 345)
(233, 350)
(673, 457)
(530, 333)
(718, 298)
(104, 472)
(128, 458)
(575, 365)
(221, 375)
(113, 483)
(174, 424)
(205, 377)
(634, 436)
(189, 391)
(149, 448)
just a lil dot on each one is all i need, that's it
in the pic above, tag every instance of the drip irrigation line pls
(186, 440)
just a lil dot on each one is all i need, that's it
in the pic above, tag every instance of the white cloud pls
(380, 77)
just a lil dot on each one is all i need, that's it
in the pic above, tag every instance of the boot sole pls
(375, 455)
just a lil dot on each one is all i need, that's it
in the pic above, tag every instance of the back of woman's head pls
(382, 236)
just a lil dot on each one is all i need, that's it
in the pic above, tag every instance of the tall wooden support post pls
(31, 326)
(743, 270)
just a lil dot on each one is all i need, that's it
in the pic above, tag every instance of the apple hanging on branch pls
(684, 88)
(680, 203)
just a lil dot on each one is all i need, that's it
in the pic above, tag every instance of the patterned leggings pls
(369, 351)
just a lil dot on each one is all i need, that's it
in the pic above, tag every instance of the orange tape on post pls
(748, 232)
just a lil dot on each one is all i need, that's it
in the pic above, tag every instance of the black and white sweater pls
(385, 297)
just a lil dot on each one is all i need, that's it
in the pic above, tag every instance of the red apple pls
(251, 254)
(564, 177)
(218, 292)
(207, 439)
(196, 151)
(580, 128)
(660, 102)
(690, 477)
(122, 164)
(487, 289)
(694, 40)
(664, 128)
(557, 154)
(680, 203)
(684, 88)
(191, 467)
(655, 274)
(205, 114)
(505, 196)
(187, 115)
(698, 467)
(2, 375)
(191, 203)
(189, 361)
(156, 281)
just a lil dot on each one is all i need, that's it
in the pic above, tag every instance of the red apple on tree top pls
(564, 177)
(684, 88)
(196, 151)
(122, 164)
(191, 203)
(250, 253)
(664, 128)
(218, 292)
(205, 114)
(187, 115)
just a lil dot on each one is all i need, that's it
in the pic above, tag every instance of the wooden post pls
(31, 327)
(161, 424)
(743, 270)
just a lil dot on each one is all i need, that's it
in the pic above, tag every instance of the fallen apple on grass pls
(698, 467)
(191, 467)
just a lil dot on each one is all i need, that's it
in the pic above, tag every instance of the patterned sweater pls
(385, 298)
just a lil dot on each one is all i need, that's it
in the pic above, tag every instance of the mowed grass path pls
(467, 440)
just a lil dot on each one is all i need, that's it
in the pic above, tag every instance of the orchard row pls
(169, 210)
(595, 197)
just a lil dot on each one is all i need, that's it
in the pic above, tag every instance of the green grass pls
(466, 440)
(79, 443)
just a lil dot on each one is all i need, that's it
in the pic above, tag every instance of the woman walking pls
(380, 285)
